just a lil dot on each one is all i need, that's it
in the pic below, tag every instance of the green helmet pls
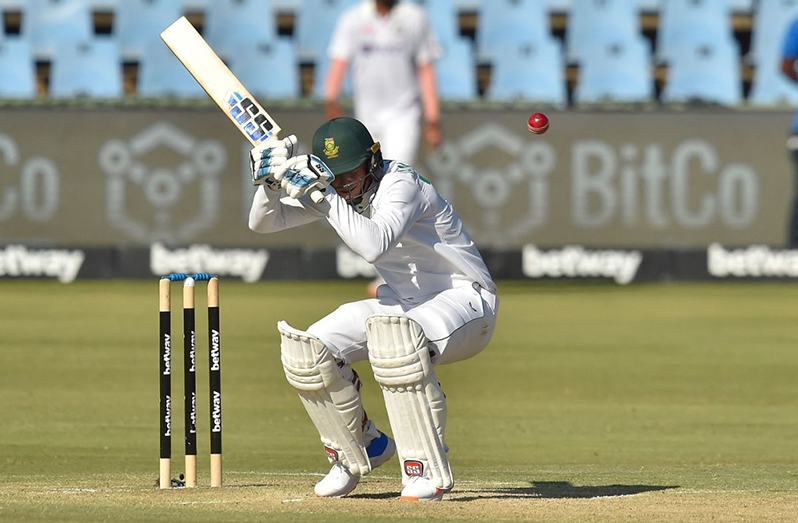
(344, 144)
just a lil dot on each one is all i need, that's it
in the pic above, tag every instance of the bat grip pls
(317, 196)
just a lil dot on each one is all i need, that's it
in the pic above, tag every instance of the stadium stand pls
(616, 71)
(314, 26)
(690, 20)
(90, 68)
(456, 72)
(706, 71)
(771, 20)
(267, 69)
(505, 23)
(442, 15)
(17, 71)
(591, 23)
(138, 23)
(322, 65)
(235, 24)
(48, 24)
(160, 74)
(530, 71)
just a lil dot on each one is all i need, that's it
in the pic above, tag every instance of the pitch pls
(597, 403)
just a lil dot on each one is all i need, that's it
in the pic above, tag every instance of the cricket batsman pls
(438, 304)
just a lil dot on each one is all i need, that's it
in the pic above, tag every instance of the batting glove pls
(267, 161)
(304, 174)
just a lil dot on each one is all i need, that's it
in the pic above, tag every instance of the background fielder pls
(438, 305)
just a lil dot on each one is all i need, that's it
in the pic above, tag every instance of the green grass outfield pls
(594, 403)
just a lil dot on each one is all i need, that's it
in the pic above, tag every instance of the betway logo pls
(17, 260)
(167, 355)
(215, 359)
(216, 414)
(193, 414)
(168, 416)
(757, 261)
(577, 262)
(247, 264)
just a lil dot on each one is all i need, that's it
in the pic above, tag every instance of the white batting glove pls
(305, 174)
(267, 161)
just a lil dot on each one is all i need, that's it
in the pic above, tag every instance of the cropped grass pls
(594, 403)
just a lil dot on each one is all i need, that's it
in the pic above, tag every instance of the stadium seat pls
(235, 24)
(315, 23)
(268, 70)
(456, 71)
(139, 23)
(618, 71)
(47, 24)
(691, 20)
(531, 71)
(90, 68)
(17, 70)
(704, 70)
(320, 69)
(772, 18)
(772, 87)
(591, 23)
(510, 22)
(161, 74)
(442, 15)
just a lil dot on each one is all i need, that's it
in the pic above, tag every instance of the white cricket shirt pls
(414, 238)
(383, 53)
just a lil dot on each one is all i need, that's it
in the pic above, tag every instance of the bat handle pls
(317, 196)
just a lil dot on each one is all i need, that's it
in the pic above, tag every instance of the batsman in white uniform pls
(391, 50)
(438, 304)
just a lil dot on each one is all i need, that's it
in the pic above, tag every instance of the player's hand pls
(268, 160)
(305, 174)
(432, 134)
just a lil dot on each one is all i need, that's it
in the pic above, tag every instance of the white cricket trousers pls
(459, 322)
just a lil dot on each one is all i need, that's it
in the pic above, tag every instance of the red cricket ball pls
(538, 123)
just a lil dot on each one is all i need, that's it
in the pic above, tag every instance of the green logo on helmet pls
(330, 149)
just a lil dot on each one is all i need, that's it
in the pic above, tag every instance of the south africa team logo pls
(330, 149)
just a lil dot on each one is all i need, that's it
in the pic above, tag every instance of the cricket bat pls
(221, 85)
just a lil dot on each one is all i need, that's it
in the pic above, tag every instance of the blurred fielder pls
(438, 304)
(391, 49)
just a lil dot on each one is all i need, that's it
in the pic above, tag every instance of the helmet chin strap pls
(362, 202)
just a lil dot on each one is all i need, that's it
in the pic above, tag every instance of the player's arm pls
(401, 205)
(332, 88)
(431, 103)
(273, 211)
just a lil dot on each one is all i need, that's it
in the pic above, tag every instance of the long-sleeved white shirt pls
(414, 238)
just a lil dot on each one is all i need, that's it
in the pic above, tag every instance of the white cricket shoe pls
(339, 481)
(419, 488)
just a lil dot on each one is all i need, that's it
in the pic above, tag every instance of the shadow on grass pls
(558, 490)
(381, 495)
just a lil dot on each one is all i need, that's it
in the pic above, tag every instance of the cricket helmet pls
(344, 144)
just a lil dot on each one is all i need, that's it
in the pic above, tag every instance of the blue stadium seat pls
(90, 68)
(268, 70)
(456, 71)
(442, 15)
(46, 24)
(531, 71)
(234, 24)
(772, 87)
(315, 23)
(510, 22)
(161, 74)
(741, 6)
(772, 18)
(707, 71)
(320, 69)
(17, 70)
(616, 70)
(690, 20)
(138, 23)
(591, 22)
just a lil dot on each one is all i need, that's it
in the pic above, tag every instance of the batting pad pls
(332, 401)
(400, 358)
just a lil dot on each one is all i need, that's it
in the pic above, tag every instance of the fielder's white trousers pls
(399, 134)
(459, 323)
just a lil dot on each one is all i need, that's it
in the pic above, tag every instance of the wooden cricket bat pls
(221, 85)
